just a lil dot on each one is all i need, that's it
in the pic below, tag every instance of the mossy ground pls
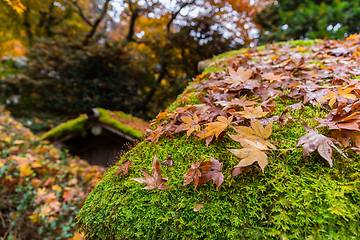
(295, 198)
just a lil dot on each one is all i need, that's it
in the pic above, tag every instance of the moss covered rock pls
(125, 123)
(294, 198)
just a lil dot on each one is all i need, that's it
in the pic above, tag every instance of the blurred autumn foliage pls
(283, 20)
(134, 56)
(41, 188)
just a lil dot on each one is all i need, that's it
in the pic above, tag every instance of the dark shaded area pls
(97, 150)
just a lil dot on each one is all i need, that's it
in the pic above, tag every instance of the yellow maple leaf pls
(332, 96)
(1, 164)
(256, 112)
(73, 181)
(41, 192)
(25, 170)
(56, 188)
(250, 153)
(190, 124)
(215, 128)
(35, 218)
(257, 134)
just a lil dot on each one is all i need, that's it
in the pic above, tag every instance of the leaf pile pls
(243, 130)
(242, 99)
(41, 188)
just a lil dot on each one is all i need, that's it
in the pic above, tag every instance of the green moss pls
(105, 117)
(177, 103)
(295, 198)
(78, 125)
(227, 55)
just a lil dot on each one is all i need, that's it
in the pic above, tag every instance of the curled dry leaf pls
(314, 140)
(194, 174)
(124, 168)
(168, 161)
(198, 207)
(155, 180)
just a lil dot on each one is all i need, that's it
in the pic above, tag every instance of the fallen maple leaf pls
(238, 77)
(159, 117)
(236, 102)
(314, 140)
(45, 211)
(257, 133)
(155, 180)
(340, 96)
(250, 153)
(124, 168)
(216, 174)
(256, 112)
(346, 136)
(194, 174)
(215, 128)
(189, 124)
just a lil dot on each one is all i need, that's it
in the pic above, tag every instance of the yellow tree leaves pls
(16, 5)
(256, 133)
(50, 186)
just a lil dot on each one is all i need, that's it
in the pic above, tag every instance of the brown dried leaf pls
(314, 140)
(215, 175)
(237, 78)
(124, 168)
(155, 180)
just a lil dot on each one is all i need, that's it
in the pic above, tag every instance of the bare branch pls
(175, 14)
(97, 21)
(81, 13)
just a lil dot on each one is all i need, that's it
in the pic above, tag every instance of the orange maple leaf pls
(339, 96)
(256, 112)
(216, 128)
(189, 124)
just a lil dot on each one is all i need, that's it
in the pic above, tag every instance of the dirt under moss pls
(295, 198)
